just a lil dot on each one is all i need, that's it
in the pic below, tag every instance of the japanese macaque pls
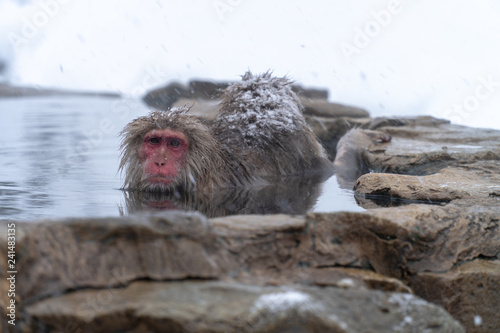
(349, 162)
(259, 133)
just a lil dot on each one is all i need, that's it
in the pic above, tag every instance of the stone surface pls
(470, 292)
(382, 249)
(83, 253)
(202, 108)
(316, 93)
(476, 180)
(426, 145)
(430, 160)
(229, 307)
(163, 98)
(323, 108)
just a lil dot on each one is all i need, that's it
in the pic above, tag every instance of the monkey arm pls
(349, 162)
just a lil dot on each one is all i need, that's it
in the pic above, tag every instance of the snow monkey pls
(259, 133)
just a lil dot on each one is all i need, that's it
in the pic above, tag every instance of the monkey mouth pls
(159, 179)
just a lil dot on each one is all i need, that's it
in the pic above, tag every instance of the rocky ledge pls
(384, 270)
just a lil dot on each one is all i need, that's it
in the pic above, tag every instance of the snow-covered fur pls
(261, 121)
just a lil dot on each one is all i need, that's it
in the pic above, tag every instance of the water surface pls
(59, 158)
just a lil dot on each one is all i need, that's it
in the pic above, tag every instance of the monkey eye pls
(175, 143)
(154, 140)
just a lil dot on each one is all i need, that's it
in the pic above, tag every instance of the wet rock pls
(230, 307)
(207, 90)
(469, 292)
(163, 98)
(315, 93)
(84, 253)
(430, 160)
(203, 108)
(426, 145)
(475, 180)
(323, 108)
(452, 257)
(351, 278)
(389, 249)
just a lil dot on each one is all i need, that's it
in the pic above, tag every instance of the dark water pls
(59, 158)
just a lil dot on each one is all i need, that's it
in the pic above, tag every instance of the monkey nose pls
(160, 164)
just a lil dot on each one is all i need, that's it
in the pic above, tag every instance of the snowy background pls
(403, 57)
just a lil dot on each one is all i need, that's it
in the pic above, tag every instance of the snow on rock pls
(285, 301)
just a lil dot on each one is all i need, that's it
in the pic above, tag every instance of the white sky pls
(424, 58)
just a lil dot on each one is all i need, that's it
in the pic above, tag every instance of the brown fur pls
(260, 132)
(205, 164)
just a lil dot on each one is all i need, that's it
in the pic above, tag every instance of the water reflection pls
(284, 195)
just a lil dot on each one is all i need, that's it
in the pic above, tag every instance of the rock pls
(351, 278)
(230, 307)
(469, 292)
(475, 180)
(206, 109)
(429, 160)
(103, 253)
(441, 237)
(426, 145)
(310, 92)
(207, 90)
(323, 108)
(163, 98)
(381, 249)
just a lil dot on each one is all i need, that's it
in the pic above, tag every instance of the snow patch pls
(407, 304)
(280, 302)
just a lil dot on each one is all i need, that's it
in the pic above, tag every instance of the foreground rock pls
(433, 250)
(231, 307)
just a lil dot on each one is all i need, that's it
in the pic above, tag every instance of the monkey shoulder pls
(259, 108)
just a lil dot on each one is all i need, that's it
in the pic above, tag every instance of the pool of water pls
(59, 158)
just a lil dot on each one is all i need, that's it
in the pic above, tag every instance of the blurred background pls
(391, 57)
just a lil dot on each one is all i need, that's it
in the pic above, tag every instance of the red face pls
(162, 153)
